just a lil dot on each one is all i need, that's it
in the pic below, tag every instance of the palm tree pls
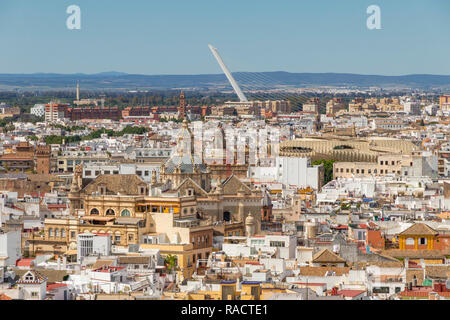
(171, 262)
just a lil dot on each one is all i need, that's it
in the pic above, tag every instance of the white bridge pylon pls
(230, 78)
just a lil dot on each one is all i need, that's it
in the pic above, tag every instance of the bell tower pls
(182, 106)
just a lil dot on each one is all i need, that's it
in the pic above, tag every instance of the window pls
(130, 237)
(381, 290)
(94, 211)
(423, 241)
(410, 241)
(87, 173)
(72, 234)
(125, 213)
(50, 232)
(117, 238)
(63, 233)
(34, 294)
(277, 243)
(110, 212)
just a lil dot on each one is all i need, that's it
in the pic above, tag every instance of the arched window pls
(50, 232)
(63, 233)
(125, 213)
(94, 211)
(110, 212)
(56, 233)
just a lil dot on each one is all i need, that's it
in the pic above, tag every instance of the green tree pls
(171, 262)
(328, 169)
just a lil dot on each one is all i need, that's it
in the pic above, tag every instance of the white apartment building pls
(283, 246)
(291, 171)
(38, 110)
(10, 247)
(142, 170)
(89, 243)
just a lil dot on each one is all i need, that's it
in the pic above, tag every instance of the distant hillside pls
(117, 80)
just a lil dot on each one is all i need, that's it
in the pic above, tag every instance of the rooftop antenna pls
(230, 78)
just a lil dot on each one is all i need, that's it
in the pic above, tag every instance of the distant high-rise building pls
(444, 102)
(78, 90)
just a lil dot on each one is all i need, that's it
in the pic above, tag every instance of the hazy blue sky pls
(171, 36)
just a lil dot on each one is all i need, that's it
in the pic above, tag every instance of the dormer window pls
(29, 277)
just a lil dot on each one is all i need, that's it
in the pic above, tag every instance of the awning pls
(98, 218)
(128, 220)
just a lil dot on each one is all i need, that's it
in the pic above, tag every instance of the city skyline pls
(160, 38)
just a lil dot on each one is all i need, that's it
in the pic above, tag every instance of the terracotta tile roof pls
(4, 297)
(125, 184)
(350, 293)
(53, 286)
(321, 271)
(418, 229)
(102, 263)
(325, 256)
(434, 271)
(134, 260)
(420, 253)
(419, 294)
(108, 269)
(51, 275)
(37, 278)
(24, 262)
